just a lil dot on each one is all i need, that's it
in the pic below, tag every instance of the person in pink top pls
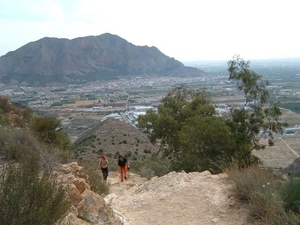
(104, 166)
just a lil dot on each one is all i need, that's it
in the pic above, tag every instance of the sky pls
(187, 30)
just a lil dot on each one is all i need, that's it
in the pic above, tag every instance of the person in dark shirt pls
(122, 163)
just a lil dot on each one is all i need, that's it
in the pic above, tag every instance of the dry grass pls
(259, 189)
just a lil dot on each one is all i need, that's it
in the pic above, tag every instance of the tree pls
(256, 113)
(190, 133)
(194, 138)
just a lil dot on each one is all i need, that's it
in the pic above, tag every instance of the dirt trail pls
(177, 199)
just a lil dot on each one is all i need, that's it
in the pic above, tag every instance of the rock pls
(94, 209)
(81, 184)
(74, 195)
(108, 198)
(87, 207)
(72, 219)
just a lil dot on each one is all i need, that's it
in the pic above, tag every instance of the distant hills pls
(84, 59)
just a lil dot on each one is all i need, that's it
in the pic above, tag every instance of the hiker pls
(104, 166)
(122, 163)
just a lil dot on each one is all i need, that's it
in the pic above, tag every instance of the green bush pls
(151, 167)
(259, 189)
(29, 193)
(128, 154)
(13, 142)
(47, 130)
(291, 195)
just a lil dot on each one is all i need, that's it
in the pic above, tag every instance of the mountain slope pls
(113, 137)
(85, 59)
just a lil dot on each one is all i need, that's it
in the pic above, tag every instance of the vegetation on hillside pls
(29, 193)
(112, 138)
(48, 131)
(269, 198)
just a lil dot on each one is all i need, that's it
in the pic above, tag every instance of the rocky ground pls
(176, 198)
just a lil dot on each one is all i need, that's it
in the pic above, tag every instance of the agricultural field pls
(282, 154)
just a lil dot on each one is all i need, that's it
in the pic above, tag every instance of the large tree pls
(191, 134)
(256, 113)
(195, 138)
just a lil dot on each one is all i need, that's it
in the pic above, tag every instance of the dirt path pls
(177, 199)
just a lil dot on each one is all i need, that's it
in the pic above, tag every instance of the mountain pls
(86, 59)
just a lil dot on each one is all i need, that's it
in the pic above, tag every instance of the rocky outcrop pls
(13, 113)
(87, 206)
(177, 198)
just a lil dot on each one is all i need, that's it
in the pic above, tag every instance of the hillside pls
(83, 59)
(113, 137)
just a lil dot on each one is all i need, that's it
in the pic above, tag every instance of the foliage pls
(48, 131)
(259, 189)
(29, 193)
(3, 118)
(196, 139)
(256, 112)
(209, 139)
(95, 179)
(291, 195)
(14, 142)
(154, 166)
(192, 135)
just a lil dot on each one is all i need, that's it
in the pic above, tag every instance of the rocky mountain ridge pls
(84, 59)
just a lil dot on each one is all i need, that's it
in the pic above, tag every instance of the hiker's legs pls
(105, 173)
(123, 173)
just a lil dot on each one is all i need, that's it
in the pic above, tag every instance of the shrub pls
(98, 185)
(128, 154)
(259, 189)
(291, 195)
(47, 130)
(151, 167)
(3, 119)
(30, 195)
(13, 142)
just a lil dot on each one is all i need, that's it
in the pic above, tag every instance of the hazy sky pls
(184, 29)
